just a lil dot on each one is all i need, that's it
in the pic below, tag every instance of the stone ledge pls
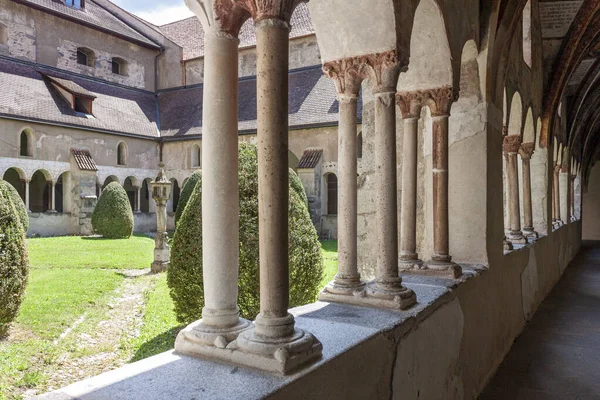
(342, 329)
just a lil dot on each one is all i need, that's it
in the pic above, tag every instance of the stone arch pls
(109, 179)
(515, 116)
(428, 69)
(529, 134)
(16, 177)
(26, 143)
(130, 184)
(195, 156)
(173, 201)
(62, 201)
(40, 191)
(122, 154)
(146, 201)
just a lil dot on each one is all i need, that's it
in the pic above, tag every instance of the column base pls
(530, 233)
(388, 294)
(198, 334)
(279, 354)
(440, 266)
(516, 237)
(507, 245)
(409, 264)
(159, 266)
(573, 219)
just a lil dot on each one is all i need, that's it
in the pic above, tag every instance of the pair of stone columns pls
(386, 290)
(272, 342)
(511, 148)
(439, 101)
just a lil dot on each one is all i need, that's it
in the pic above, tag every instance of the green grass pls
(160, 324)
(330, 258)
(83, 252)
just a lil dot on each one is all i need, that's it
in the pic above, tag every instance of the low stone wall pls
(52, 224)
(446, 347)
(144, 222)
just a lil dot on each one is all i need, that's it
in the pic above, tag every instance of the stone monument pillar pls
(161, 189)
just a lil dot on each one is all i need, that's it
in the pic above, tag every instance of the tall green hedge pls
(14, 261)
(298, 187)
(185, 272)
(19, 205)
(112, 217)
(186, 193)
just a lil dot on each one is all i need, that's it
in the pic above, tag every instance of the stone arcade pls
(466, 146)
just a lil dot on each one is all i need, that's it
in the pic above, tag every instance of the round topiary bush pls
(19, 205)
(186, 193)
(298, 187)
(14, 261)
(112, 217)
(184, 275)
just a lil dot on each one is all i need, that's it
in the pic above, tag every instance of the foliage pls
(297, 186)
(112, 217)
(19, 205)
(14, 261)
(91, 252)
(185, 273)
(186, 193)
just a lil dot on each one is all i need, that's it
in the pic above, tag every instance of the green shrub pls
(19, 205)
(186, 193)
(298, 187)
(112, 217)
(14, 261)
(185, 271)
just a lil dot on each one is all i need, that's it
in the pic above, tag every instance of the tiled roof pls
(312, 100)
(188, 33)
(84, 160)
(24, 93)
(310, 158)
(94, 15)
(69, 86)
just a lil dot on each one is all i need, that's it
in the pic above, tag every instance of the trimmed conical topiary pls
(186, 193)
(19, 205)
(112, 217)
(14, 261)
(185, 272)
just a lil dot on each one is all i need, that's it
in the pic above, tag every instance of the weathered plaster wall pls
(21, 32)
(591, 206)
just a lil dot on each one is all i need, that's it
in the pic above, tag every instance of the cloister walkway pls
(558, 354)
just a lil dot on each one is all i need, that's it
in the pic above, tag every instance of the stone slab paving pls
(558, 354)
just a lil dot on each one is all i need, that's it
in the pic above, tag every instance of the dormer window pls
(119, 66)
(85, 57)
(82, 104)
(78, 98)
(75, 3)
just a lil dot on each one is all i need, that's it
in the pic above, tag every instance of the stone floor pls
(558, 354)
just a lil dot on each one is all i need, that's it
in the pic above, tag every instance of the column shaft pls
(513, 193)
(556, 188)
(27, 195)
(53, 198)
(272, 46)
(138, 199)
(441, 246)
(408, 222)
(347, 193)
(220, 224)
(527, 206)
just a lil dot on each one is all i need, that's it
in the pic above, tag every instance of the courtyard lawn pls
(329, 260)
(91, 252)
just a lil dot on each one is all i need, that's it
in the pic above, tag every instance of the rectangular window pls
(74, 3)
(81, 58)
(83, 105)
(115, 67)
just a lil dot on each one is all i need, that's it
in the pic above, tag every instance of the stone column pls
(387, 286)
(526, 151)
(52, 197)
(410, 104)
(511, 146)
(221, 323)
(161, 189)
(347, 76)
(557, 222)
(275, 344)
(572, 195)
(138, 199)
(440, 101)
(565, 182)
(27, 195)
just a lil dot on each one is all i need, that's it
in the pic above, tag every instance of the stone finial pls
(439, 100)
(526, 150)
(347, 74)
(511, 144)
(270, 9)
(410, 103)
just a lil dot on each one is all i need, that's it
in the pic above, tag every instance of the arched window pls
(359, 145)
(332, 205)
(196, 156)
(119, 66)
(85, 56)
(26, 144)
(3, 34)
(122, 154)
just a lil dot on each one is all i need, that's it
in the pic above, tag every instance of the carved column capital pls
(439, 101)
(504, 130)
(219, 16)
(410, 103)
(511, 144)
(270, 9)
(383, 68)
(347, 74)
(526, 150)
